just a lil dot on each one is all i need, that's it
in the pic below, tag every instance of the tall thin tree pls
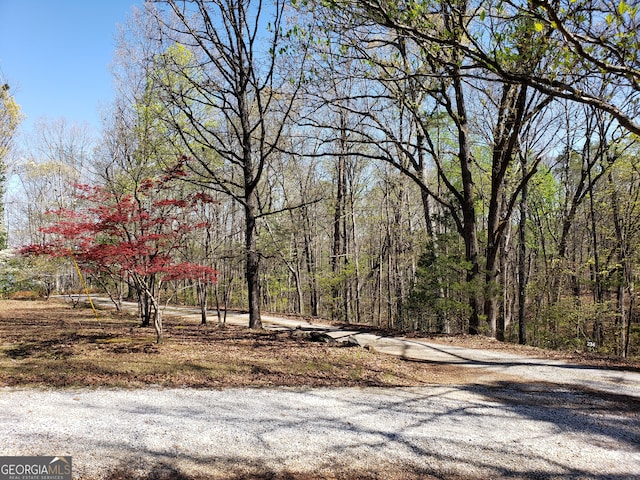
(232, 101)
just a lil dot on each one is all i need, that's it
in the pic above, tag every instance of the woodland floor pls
(52, 344)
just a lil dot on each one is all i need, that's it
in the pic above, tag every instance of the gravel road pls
(503, 431)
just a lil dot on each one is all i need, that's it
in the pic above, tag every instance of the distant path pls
(607, 380)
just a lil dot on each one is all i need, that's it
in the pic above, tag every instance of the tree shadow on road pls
(500, 431)
(571, 409)
(456, 354)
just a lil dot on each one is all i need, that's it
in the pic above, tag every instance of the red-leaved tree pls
(138, 238)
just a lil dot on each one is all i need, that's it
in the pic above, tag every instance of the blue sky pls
(55, 55)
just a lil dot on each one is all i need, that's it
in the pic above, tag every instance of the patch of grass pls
(357, 373)
(51, 344)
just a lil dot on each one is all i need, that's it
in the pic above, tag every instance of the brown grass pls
(51, 344)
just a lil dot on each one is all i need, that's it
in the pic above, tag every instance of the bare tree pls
(10, 118)
(584, 42)
(56, 160)
(229, 98)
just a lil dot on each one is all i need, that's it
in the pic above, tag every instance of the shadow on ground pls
(228, 471)
(607, 422)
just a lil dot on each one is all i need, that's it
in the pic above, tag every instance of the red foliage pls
(203, 197)
(177, 170)
(130, 235)
(191, 271)
(36, 249)
(171, 203)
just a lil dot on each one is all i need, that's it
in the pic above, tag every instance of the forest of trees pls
(434, 166)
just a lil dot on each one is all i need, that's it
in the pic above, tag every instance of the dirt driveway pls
(615, 381)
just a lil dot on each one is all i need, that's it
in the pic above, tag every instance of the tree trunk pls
(157, 317)
(144, 307)
(311, 271)
(157, 325)
(597, 277)
(252, 263)
(522, 261)
(201, 291)
(627, 322)
(625, 282)
(338, 252)
(469, 232)
(506, 133)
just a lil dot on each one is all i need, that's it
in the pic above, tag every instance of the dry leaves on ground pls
(51, 344)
